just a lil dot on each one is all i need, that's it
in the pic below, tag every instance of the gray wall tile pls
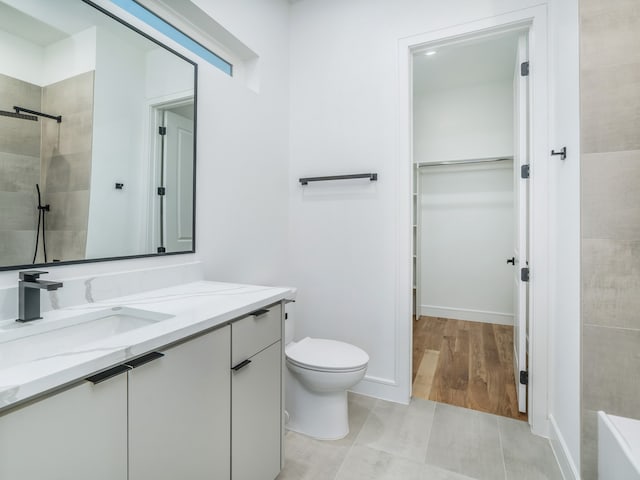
(16, 247)
(19, 173)
(610, 378)
(69, 173)
(66, 245)
(18, 211)
(69, 210)
(589, 446)
(609, 33)
(73, 135)
(610, 194)
(18, 136)
(611, 283)
(609, 113)
(610, 122)
(466, 442)
(73, 94)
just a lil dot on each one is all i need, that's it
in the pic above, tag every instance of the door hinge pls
(525, 171)
(162, 130)
(524, 274)
(162, 250)
(524, 377)
(524, 69)
(162, 191)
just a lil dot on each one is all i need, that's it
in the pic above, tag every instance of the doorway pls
(470, 222)
(173, 179)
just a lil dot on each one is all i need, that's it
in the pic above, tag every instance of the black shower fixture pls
(57, 118)
(21, 116)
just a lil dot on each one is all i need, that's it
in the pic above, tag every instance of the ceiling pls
(22, 25)
(44, 22)
(484, 60)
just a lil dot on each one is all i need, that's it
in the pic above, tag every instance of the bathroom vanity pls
(183, 382)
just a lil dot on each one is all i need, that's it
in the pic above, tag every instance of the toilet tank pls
(289, 322)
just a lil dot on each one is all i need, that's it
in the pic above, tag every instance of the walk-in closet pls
(469, 214)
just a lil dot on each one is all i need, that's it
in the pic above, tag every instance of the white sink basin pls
(21, 343)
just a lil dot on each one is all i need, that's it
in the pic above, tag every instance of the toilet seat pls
(326, 355)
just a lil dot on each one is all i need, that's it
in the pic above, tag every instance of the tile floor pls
(421, 441)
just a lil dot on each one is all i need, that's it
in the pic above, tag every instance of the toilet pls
(317, 376)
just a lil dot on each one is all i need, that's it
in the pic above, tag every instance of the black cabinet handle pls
(107, 374)
(512, 260)
(257, 313)
(242, 364)
(149, 357)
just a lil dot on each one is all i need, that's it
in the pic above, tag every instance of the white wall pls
(466, 236)
(565, 245)
(344, 118)
(166, 75)
(43, 66)
(475, 121)
(117, 151)
(69, 57)
(21, 59)
(243, 151)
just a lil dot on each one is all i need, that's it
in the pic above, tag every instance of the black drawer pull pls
(107, 374)
(149, 357)
(242, 364)
(257, 313)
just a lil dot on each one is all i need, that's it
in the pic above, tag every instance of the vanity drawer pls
(255, 332)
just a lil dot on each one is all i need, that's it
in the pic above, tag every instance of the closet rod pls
(462, 162)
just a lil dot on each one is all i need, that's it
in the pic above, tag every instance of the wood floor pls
(468, 364)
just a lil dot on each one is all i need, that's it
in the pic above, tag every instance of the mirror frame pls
(114, 17)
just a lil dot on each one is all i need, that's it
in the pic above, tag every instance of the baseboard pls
(382, 388)
(467, 314)
(566, 463)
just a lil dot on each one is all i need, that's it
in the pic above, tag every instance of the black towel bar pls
(371, 176)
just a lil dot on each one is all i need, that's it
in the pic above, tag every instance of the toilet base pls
(323, 416)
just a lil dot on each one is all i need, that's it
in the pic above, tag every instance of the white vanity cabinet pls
(77, 434)
(256, 395)
(208, 407)
(179, 407)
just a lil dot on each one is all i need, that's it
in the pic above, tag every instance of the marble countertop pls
(195, 307)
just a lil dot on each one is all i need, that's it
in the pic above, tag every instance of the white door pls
(521, 194)
(178, 210)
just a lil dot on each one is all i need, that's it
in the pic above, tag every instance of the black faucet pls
(29, 294)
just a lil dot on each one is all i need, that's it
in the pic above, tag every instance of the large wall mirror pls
(97, 138)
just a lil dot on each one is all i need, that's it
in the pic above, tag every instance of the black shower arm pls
(40, 114)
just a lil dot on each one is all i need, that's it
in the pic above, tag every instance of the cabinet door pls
(179, 409)
(256, 417)
(77, 434)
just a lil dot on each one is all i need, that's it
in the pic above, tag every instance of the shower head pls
(21, 116)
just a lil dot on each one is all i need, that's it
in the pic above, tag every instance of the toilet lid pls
(320, 353)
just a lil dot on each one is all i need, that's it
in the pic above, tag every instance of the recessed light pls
(430, 52)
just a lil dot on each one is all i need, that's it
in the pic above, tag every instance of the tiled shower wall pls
(55, 155)
(19, 172)
(66, 164)
(610, 143)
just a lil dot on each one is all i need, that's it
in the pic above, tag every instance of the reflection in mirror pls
(97, 139)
